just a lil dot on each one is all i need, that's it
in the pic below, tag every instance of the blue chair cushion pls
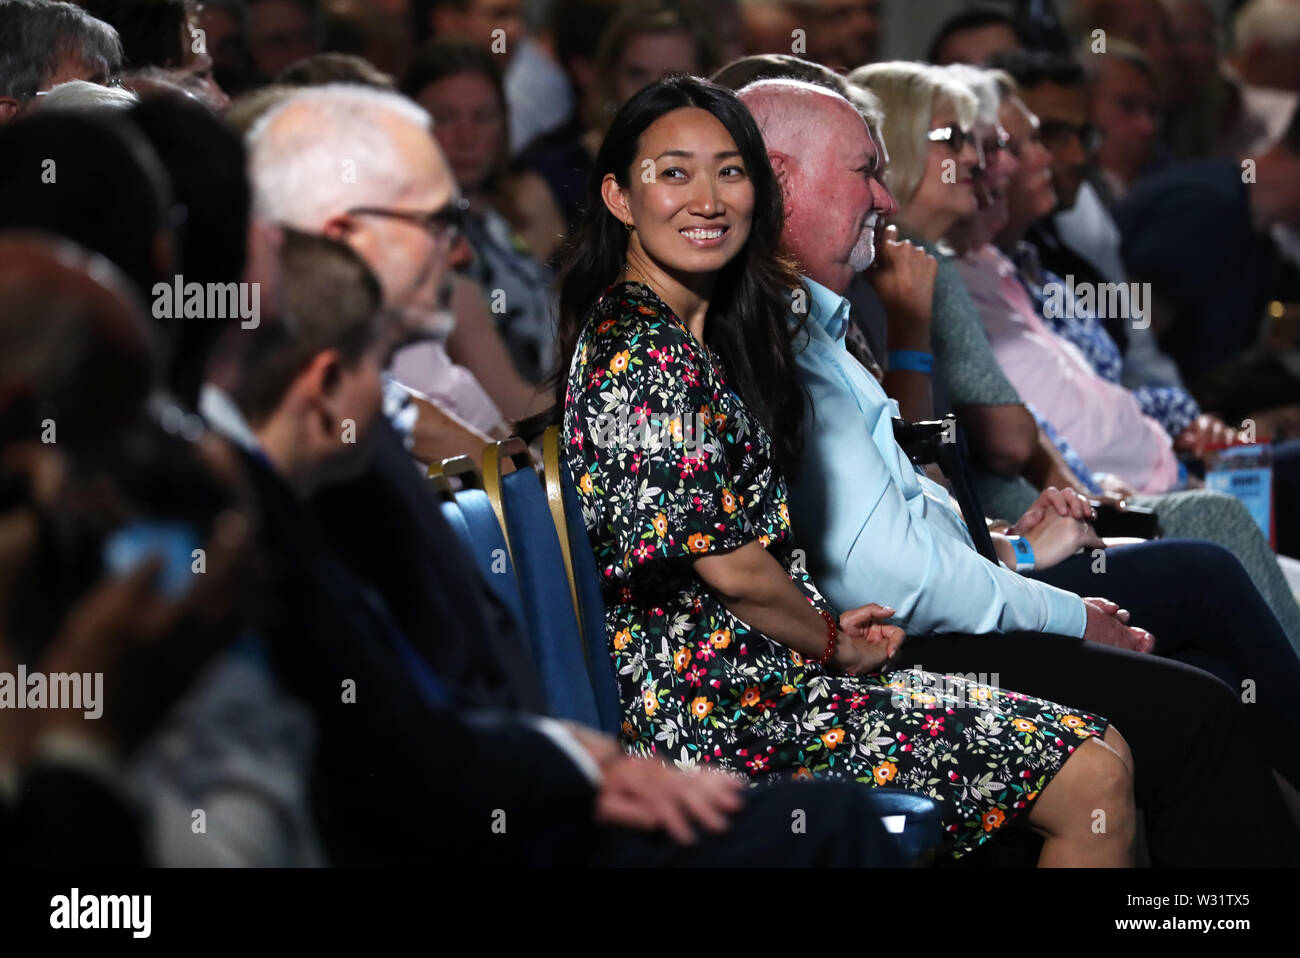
(473, 520)
(600, 667)
(544, 588)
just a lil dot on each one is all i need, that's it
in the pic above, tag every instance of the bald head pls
(829, 169)
(75, 345)
(793, 114)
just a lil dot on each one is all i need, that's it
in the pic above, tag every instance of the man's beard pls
(434, 322)
(864, 253)
(425, 324)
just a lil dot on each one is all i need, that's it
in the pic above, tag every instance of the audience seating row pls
(528, 539)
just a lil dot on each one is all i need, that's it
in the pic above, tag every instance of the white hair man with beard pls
(856, 490)
(360, 165)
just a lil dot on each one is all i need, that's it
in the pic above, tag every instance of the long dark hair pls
(747, 326)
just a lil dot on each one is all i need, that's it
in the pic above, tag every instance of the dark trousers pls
(790, 825)
(1199, 603)
(1200, 774)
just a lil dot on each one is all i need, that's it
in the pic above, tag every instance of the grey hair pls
(80, 95)
(35, 36)
(910, 93)
(1271, 23)
(298, 169)
(990, 87)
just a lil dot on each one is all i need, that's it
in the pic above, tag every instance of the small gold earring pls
(629, 227)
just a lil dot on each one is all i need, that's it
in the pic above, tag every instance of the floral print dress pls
(670, 466)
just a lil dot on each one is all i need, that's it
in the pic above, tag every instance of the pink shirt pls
(426, 368)
(1101, 420)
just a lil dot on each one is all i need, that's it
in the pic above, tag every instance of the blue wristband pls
(910, 360)
(1024, 553)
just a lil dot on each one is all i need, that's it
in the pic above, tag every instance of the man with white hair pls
(83, 95)
(873, 524)
(360, 165)
(43, 44)
(1264, 70)
(857, 489)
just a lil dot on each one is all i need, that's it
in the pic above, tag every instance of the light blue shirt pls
(875, 528)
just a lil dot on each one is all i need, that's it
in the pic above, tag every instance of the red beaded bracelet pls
(832, 634)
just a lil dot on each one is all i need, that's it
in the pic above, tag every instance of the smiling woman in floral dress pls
(678, 411)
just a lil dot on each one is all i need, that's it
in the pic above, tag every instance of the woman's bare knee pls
(1116, 742)
(1092, 791)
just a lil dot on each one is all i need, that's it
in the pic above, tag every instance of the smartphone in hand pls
(138, 541)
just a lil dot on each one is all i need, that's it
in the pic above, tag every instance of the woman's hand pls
(865, 643)
(1064, 502)
(149, 648)
(1055, 539)
(1058, 525)
(1115, 488)
(1206, 431)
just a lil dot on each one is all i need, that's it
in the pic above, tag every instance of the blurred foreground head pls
(77, 354)
(82, 457)
(43, 44)
(92, 178)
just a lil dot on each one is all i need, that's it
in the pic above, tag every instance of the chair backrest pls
(943, 442)
(535, 549)
(470, 514)
(584, 581)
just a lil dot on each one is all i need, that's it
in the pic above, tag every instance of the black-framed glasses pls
(1057, 133)
(954, 136)
(448, 222)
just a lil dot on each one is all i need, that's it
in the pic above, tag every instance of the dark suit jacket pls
(1189, 232)
(403, 775)
(388, 528)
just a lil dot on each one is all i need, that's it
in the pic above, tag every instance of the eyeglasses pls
(1057, 133)
(998, 143)
(446, 223)
(954, 136)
